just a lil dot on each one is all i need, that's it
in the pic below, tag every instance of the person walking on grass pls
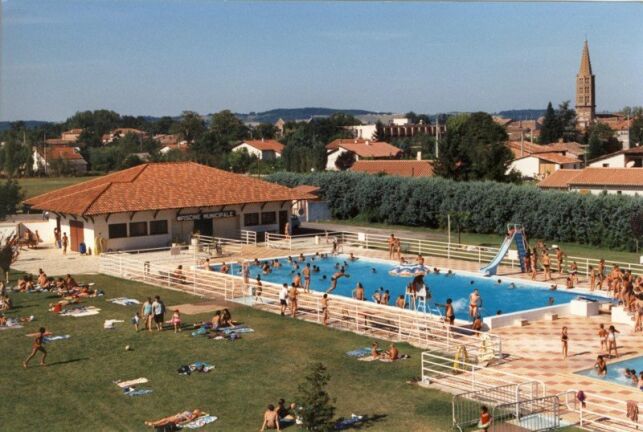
(146, 313)
(65, 243)
(283, 295)
(157, 310)
(37, 346)
(564, 338)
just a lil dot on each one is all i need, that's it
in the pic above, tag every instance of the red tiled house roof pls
(157, 186)
(60, 152)
(609, 177)
(376, 149)
(559, 179)
(265, 145)
(404, 168)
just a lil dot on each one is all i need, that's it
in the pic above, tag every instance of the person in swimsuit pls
(306, 272)
(600, 366)
(386, 297)
(611, 341)
(534, 265)
(547, 266)
(292, 298)
(378, 295)
(391, 246)
(601, 273)
(65, 242)
(374, 353)
(640, 382)
(420, 260)
(296, 281)
(573, 272)
(270, 419)
(181, 417)
(333, 280)
(146, 312)
(560, 256)
(358, 292)
(324, 304)
(400, 302)
(37, 345)
(564, 338)
(449, 313)
(475, 303)
(392, 353)
(592, 278)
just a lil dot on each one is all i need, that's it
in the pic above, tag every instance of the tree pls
(190, 127)
(474, 149)
(636, 131)
(10, 197)
(228, 127)
(264, 130)
(210, 149)
(317, 409)
(240, 161)
(551, 128)
(162, 125)
(8, 254)
(595, 147)
(601, 140)
(345, 160)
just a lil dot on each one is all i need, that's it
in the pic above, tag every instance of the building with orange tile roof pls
(626, 158)
(156, 204)
(625, 181)
(263, 149)
(67, 155)
(361, 149)
(403, 168)
(120, 133)
(540, 165)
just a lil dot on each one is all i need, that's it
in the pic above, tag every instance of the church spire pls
(585, 63)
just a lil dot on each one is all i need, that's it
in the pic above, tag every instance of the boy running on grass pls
(37, 346)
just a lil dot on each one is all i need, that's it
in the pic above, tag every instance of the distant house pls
(67, 138)
(520, 129)
(620, 125)
(120, 133)
(168, 139)
(625, 181)
(361, 149)
(540, 165)
(70, 156)
(525, 148)
(262, 149)
(403, 168)
(626, 158)
(280, 126)
(181, 146)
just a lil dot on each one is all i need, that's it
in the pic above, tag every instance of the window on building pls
(251, 219)
(268, 218)
(117, 230)
(137, 229)
(158, 227)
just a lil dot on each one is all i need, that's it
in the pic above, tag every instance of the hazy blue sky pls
(160, 57)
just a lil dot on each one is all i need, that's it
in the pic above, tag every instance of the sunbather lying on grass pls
(181, 417)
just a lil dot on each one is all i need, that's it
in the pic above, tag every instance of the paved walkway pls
(54, 263)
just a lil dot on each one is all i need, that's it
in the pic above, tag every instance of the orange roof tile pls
(265, 145)
(609, 177)
(157, 186)
(556, 158)
(376, 149)
(59, 142)
(306, 189)
(559, 179)
(61, 152)
(335, 144)
(404, 168)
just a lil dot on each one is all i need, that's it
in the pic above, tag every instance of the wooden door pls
(76, 235)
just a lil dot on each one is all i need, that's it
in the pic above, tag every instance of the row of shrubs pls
(610, 221)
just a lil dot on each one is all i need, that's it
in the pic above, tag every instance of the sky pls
(160, 57)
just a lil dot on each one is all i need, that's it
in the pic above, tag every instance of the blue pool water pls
(495, 296)
(616, 371)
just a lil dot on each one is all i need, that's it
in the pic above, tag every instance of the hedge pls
(608, 221)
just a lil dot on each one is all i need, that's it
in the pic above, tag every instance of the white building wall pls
(251, 150)
(332, 158)
(595, 190)
(364, 131)
(616, 161)
(527, 167)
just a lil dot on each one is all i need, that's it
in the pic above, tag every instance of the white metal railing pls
(480, 254)
(598, 412)
(248, 236)
(304, 241)
(460, 374)
(362, 317)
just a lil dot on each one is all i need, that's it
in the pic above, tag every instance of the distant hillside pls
(30, 124)
(524, 114)
(289, 114)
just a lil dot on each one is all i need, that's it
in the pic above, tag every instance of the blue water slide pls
(491, 268)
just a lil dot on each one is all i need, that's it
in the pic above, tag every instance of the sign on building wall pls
(210, 215)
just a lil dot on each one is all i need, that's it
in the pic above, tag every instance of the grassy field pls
(40, 185)
(493, 240)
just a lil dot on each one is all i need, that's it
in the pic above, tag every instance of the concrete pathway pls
(54, 263)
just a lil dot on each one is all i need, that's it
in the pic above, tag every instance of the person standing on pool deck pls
(37, 346)
(449, 313)
(65, 243)
(324, 304)
(601, 273)
(534, 264)
(475, 303)
(391, 246)
(547, 265)
(398, 249)
(306, 272)
(292, 298)
(564, 338)
(283, 295)
(602, 335)
(560, 256)
(611, 341)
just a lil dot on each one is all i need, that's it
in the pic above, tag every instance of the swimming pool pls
(616, 371)
(505, 296)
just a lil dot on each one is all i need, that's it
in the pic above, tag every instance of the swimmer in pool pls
(337, 275)
(373, 270)
(553, 287)
(550, 301)
(600, 366)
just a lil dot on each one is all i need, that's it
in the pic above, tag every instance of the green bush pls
(599, 220)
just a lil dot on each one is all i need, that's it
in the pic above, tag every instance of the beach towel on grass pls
(130, 383)
(239, 329)
(55, 338)
(201, 367)
(131, 391)
(124, 301)
(109, 324)
(198, 423)
(360, 352)
(200, 331)
(81, 312)
(346, 423)
(12, 323)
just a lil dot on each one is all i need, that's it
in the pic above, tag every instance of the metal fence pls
(466, 406)
(382, 321)
(529, 415)
(602, 413)
(480, 254)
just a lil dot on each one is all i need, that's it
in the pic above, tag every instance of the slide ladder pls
(516, 235)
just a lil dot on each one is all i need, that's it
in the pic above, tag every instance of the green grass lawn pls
(39, 185)
(75, 392)
(493, 240)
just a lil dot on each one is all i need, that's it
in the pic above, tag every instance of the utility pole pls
(437, 136)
